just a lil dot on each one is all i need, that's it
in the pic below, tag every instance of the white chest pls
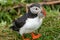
(31, 25)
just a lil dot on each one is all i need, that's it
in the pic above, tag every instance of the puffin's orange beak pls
(43, 11)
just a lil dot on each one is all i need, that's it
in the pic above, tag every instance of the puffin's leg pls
(25, 38)
(34, 36)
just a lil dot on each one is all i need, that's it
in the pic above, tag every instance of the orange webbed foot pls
(35, 36)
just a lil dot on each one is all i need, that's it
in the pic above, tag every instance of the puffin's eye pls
(36, 9)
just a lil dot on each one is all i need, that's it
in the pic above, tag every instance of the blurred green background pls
(50, 28)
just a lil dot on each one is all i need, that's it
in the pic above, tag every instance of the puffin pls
(30, 21)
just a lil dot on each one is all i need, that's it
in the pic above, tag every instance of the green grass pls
(50, 29)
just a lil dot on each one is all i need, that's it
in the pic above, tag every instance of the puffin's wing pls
(17, 24)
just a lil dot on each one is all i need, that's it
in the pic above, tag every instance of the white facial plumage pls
(35, 10)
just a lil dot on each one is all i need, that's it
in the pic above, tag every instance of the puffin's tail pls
(14, 28)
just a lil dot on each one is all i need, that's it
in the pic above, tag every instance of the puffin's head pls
(37, 9)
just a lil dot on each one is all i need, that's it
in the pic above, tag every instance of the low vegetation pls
(50, 29)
